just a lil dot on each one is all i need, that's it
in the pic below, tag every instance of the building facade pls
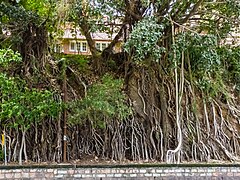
(73, 42)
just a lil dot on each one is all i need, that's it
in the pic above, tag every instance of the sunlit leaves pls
(7, 56)
(21, 106)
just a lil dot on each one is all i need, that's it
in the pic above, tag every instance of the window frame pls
(101, 45)
(78, 46)
(83, 42)
(74, 45)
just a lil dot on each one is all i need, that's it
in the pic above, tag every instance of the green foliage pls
(104, 101)
(95, 11)
(79, 62)
(143, 41)
(230, 58)
(19, 105)
(205, 62)
(41, 7)
(17, 14)
(17, 18)
(220, 17)
(202, 51)
(7, 56)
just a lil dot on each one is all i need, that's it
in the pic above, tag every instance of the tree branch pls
(194, 9)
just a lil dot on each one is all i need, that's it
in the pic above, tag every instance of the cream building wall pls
(73, 42)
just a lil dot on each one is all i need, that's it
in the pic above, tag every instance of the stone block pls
(133, 175)
(210, 170)
(150, 170)
(17, 171)
(153, 170)
(79, 171)
(100, 175)
(140, 175)
(25, 175)
(33, 170)
(234, 170)
(2, 176)
(50, 170)
(59, 176)
(39, 174)
(62, 171)
(224, 170)
(118, 175)
(142, 170)
(148, 175)
(94, 170)
(110, 175)
(159, 170)
(106, 171)
(237, 174)
(25, 170)
(194, 170)
(201, 170)
(77, 175)
(209, 174)
(135, 170)
(87, 171)
(71, 171)
(122, 171)
(229, 174)
(48, 175)
(88, 175)
(9, 175)
(156, 175)
(129, 170)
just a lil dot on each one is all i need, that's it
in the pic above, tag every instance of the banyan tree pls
(171, 94)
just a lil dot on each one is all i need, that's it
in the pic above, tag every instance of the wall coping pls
(74, 166)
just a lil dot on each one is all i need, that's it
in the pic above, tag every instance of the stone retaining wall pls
(172, 172)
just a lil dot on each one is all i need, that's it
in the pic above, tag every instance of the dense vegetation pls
(171, 95)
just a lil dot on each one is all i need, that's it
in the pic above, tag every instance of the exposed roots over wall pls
(209, 128)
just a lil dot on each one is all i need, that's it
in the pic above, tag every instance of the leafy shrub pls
(19, 105)
(104, 101)
(202, 50)
(142, 43)
(230, 58)
(79, 62)
(205, 63)
(7, 56)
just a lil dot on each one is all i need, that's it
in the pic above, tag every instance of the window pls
(101, 46)
(98, 46)
(78, 46)
(72, 46)
(104, 45)
(84, 47)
